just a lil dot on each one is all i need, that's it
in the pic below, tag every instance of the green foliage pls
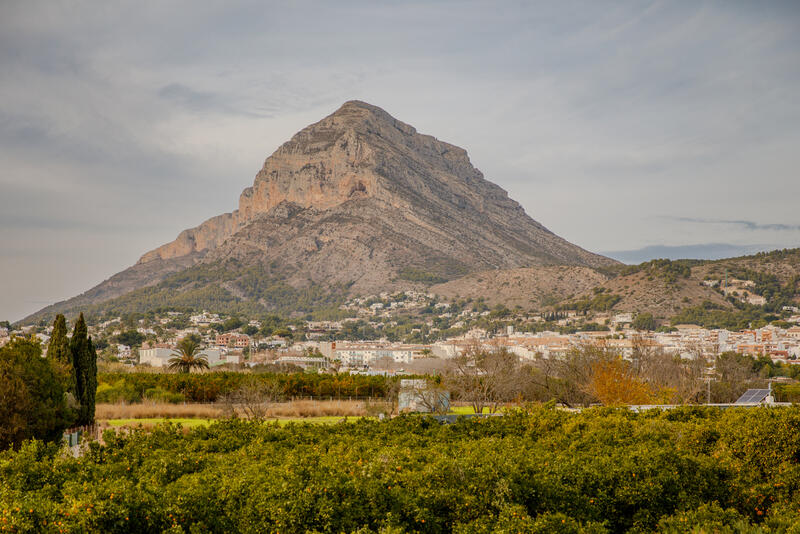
(91, 382)
(250, 330)
(201, 287)
(271, 323)
(231, 323)
(770, 287)
(58, 348)
(262, 286)
(84, 367)
(187, 357)
(668, 270)
(539, 470)
(499, 312)
(119, 391)
(644, 321)
(710, 315)
(161, 395)
(209, 387)
(59, 354)
(32, 400)
(418, 275)
(600, 301)
(708, 517)
(131, 338)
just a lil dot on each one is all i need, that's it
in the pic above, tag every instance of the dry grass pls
(312, 408)
(154, 410)
(299, 408)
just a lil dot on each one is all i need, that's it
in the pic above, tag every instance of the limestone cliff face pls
(360, 152)
(322, 166)
(204, 237)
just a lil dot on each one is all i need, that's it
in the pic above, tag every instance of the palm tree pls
(187, 358)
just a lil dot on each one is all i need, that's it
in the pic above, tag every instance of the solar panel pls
(753, 396)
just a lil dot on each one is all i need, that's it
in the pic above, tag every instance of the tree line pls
(40, 397)
(489, 377)
(596, 373)
(210, 387)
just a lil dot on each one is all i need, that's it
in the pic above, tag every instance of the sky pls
(637, 129)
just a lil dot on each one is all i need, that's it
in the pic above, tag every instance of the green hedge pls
(541, 470)
(209, 387)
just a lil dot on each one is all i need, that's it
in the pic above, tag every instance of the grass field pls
(291, 409)
(191, 415)
(465, 410)
(152, 421)
(195, 422)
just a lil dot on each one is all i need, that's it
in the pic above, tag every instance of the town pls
(409, 332)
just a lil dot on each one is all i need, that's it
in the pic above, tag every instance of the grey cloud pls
(203, 101)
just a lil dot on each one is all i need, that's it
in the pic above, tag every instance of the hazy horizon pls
(641, 128)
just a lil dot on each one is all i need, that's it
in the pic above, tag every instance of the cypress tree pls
(91, 382)
(79, 349)
(58, 348)
(59, 355)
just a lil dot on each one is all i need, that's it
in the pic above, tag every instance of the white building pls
(365, 354)
(160, 357)
(156, 357)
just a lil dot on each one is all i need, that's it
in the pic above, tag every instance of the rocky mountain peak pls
(357, 202)
(359, 161)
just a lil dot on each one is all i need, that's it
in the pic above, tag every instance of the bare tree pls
(734, 375)
(252, 399)
(673, 379)
(429, 395)
(429, 366)
(485, 377)
(568, 378)
(384, 363)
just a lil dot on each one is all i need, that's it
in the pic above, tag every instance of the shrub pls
(119, 391)
(160, 395)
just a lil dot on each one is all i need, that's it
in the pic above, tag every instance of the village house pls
(239, 341)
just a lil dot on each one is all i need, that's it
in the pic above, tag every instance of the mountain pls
(360, 167)
(708, 251)
(750, 286)
(531, 288)
(723, 293)
(358, 202)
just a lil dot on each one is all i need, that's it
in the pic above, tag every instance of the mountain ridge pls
(357, 199)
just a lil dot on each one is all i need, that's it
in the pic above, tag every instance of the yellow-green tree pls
(32, 403)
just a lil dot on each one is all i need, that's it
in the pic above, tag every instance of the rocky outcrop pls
(202, 238)
(361, 152)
